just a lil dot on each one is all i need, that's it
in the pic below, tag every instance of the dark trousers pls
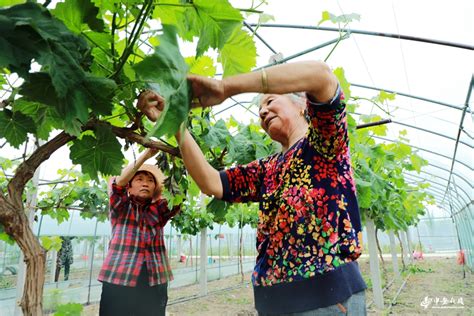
(58, 271)
(142, 300)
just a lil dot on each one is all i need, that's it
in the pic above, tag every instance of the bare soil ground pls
(436, 283)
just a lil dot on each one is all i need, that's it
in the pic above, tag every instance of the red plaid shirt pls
(137, 239)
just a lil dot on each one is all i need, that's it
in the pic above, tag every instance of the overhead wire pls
(365, 66)
(358, 48)
(405, 72)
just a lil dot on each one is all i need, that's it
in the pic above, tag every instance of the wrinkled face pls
(142, 185)
(279, 115)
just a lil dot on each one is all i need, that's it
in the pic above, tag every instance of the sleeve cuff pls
(225, 186)
(115, 188)
(328, 106)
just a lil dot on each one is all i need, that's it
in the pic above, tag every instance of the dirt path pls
(436, 287)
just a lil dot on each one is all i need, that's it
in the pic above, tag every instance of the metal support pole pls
(374, 265)
(393, 250)
(363, 32)
(92, 263)
(203, 271)
(220, 227)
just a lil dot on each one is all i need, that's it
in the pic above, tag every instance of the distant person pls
(136, 272)
(309, 229)
(65, 258)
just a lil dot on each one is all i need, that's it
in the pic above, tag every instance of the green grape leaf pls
(240, 150)
(345, 85)
(383, 96)
(212, 21)
(14, 127)
(417, 162)
(265, 18)
(380, 130)
(39, 88)
(219, 19)
(402, 151)
(186, 19)
(218, 135)
(5, 237)
(45, 117)
(166, 72)
(219, 209)
(101, 153)
(203, 65)
(69, 309)
(99, 40)
(344, 18)
(99, 93)
(93, 92)
(8, 3)
(33, 34)
(53, 242)
(75, 13)
(239, 54)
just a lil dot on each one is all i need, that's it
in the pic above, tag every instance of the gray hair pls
(297, 97)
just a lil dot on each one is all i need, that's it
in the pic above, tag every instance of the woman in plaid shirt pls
(136, 272)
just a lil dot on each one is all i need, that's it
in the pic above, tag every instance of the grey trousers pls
(353, 306)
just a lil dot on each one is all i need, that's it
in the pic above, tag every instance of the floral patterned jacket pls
(309, 224)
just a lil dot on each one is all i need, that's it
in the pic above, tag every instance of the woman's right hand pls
(206, 91)
(151, 104)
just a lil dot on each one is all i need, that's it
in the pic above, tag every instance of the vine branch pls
(135, 34)
(27, 168)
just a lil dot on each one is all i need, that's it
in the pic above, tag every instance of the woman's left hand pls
(151, 104)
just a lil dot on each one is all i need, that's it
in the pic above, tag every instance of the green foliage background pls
(83, 64)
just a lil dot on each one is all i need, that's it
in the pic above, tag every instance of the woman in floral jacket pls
(309, 230)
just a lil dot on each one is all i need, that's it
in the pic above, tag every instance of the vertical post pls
(104, 240)
(5, 255)
(374, 265)
(460, 246)
(86, 250)
(219, 250)
(238, 250)
(178, 250)
(203, 255)
(243, 244)
(54, 256)
(229, 250)
(419, 239)
(92, 263)
(31, 199)
(169, 243)
(39, 226)
(196, 259)
(203, 262)
(409, 243)
(403, 237)
(210, 247)
(190, 251)
(393, 250)
(241, 251)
